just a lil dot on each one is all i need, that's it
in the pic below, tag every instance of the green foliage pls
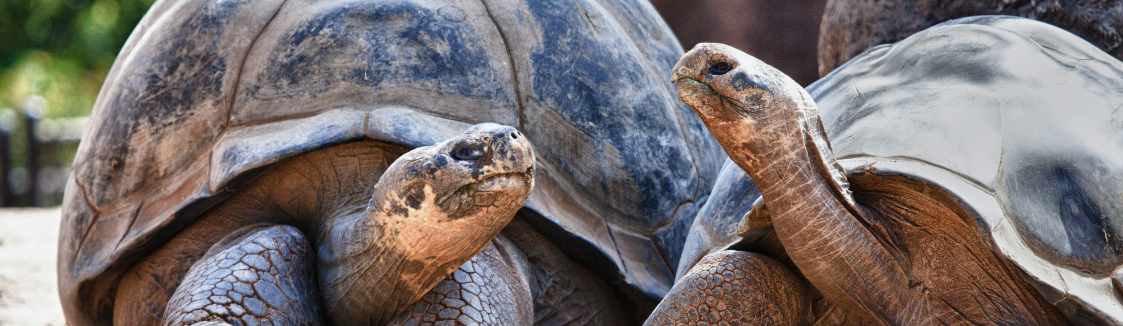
(61, 49)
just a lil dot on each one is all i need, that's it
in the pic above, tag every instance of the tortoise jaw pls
(490, 191)
(501, 182)
(695, 93)
(712, 106)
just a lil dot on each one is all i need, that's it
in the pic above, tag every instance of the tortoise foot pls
(489, 289)
(260, 274)
(735, 287)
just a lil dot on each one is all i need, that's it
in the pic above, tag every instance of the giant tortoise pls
(970, 173)
(210, 102)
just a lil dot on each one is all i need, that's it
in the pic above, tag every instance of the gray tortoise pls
(211, 104)
(970, 173)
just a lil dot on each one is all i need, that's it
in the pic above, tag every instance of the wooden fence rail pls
(35, 173)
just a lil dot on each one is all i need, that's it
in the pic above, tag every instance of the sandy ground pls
(28, 293)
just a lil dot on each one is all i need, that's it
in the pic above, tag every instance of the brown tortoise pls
(218, 115)
(969, 174)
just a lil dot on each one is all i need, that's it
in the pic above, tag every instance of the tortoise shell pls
(205, 92)
(850, 27)
(1017, 121)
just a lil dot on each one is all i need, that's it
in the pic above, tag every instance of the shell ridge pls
(520, 114)
(129, 227)
(242, 66)
(93, 219)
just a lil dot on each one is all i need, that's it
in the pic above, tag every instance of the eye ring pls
(720, 68)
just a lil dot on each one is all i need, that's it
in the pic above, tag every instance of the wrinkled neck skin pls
(813, 213)
(789, 151)
(377, 260)
(803, 142)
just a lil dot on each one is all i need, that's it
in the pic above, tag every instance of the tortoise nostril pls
(720, 68)
(467, 152)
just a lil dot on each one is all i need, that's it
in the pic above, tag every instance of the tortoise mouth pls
(500, 182)
(491, 191)
(700, 96)
(690, 89)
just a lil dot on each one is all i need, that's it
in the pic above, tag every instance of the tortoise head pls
(486, 172)
(431, 210)
(742, 100)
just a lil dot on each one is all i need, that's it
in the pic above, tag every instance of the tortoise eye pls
(468, 151)
(720, 68)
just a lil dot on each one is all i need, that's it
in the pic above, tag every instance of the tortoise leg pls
(490, 289)
(566, 292)
(259, 274)
(736, 287)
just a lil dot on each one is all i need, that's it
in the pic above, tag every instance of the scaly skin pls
(521, 279)
(488, 290)
(736, 288)
(262, 276)
(770, 127)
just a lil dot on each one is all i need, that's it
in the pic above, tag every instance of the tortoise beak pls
(688, 66)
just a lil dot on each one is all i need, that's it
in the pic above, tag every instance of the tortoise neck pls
(795, 173)
(814, 215)
(793, 155)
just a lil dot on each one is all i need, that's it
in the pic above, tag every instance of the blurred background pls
(783, 33)
(54, 55)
